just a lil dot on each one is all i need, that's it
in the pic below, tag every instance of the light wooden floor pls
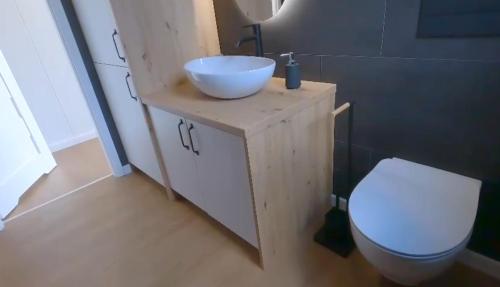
(124, 232)
(76, 166)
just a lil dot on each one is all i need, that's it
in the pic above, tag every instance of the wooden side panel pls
(291, 167)
(159, 36)
(157, 150)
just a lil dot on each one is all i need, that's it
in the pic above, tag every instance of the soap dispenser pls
(292, 72)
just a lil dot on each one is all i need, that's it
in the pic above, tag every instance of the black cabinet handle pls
(191, 127)
(181, 122)
(115, 33)
(128, 86)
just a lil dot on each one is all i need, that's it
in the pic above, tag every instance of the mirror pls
(260, 10)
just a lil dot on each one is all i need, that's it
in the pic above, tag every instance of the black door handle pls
(115, 33)
(181, 122)
(128, 86)
(191, 127)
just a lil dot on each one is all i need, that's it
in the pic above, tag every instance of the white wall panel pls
(34, 49)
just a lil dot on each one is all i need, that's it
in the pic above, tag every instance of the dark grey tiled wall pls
(400, 41)
(433, 101)
(351, 27)
(437, 112)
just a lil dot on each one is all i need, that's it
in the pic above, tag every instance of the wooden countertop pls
(242, 117)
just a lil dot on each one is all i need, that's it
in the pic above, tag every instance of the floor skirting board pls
(481, 263)
(68, 142)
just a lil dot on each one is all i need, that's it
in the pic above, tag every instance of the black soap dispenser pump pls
(292, 72)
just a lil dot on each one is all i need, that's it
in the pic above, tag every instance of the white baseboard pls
(123, 171)
(481, 263)
(343, 202)
(68, 142)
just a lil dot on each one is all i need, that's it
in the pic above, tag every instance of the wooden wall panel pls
(159, 36)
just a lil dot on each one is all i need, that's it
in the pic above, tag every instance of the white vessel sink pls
(230, 77)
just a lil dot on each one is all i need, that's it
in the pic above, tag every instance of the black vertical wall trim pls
(383, 30)
(96, 83)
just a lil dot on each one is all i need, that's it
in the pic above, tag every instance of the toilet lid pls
(413, 209)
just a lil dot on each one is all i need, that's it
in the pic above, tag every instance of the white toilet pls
(411, 221)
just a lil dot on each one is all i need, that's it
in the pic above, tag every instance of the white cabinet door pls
(223, 177)
(100, 31)
(173, 138)
(128, 114)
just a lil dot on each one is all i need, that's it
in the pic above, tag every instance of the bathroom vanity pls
(261, 165)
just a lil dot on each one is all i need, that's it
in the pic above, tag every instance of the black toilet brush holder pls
(336, 232)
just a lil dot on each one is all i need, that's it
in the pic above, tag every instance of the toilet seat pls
(414, 211)
(428, 257)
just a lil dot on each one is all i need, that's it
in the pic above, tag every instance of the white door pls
(173, 138)
(223, 177)
(129, 118)
(100, 31)
(24, 154)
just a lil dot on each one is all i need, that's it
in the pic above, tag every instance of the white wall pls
(259, 10)
(36, 54)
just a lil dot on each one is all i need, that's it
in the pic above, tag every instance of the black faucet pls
(257, 37)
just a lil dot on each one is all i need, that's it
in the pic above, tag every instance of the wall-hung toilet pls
(411, 221)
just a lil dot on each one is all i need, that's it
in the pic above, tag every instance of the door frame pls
(79, 55)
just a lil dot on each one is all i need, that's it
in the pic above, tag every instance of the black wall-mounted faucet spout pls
(257, 37)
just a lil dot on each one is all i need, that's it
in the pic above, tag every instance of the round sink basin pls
(230, 77)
